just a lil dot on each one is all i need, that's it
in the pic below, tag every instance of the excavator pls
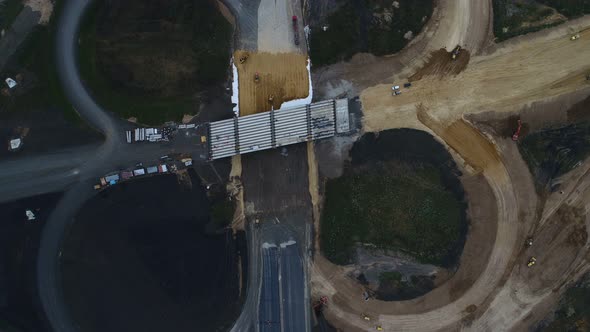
(455, 52)
(243, 58)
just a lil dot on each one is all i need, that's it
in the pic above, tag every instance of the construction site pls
(445, 187)
(524, 245)
(481, 101)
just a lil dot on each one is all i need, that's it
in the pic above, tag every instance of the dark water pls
(139, 258)
(19, 243)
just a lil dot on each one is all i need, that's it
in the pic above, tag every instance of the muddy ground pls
(142, 257)
(19, 242)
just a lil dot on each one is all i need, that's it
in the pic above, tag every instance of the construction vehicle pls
(295, 30)
(455, 52)
(575, 37)
(532, 261)
(256, 78)
(243, 58)
(529, 242)
(319, 305)
(517, 132)
(365, 317)
(378, 328)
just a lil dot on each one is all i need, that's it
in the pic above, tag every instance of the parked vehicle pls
(295, 30)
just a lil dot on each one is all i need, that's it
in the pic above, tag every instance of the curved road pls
(76, 168)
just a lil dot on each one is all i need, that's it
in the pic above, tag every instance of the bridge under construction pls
(277, 128)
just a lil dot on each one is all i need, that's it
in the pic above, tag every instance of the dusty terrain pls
(500, 292)
(283, 76)
(466, 23)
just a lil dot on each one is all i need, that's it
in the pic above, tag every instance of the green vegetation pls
(390, 24)
(374, 26)
(569, 8)
(554, 152)
(9, 10)
(390, 276)
(340, 41)
(222, 212)
(574, 311)
(518, 17)
(515, 17)
(176, 53)
(406, 209)
(35, 57)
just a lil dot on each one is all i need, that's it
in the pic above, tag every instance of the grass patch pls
(184, 50)
(36, 56)
(569, 8)
(553, 152)
(374, 26)
(518, 17)
(9, 10)
(390, 276)
(340, 41)
(407, 209)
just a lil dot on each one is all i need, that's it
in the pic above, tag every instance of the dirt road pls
(503, 81)
(534, 68)
(464, 22)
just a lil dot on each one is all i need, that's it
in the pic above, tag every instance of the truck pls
(295, 30)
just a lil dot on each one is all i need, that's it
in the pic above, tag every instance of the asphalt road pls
(76, 170)
(269, 309)
(292, 288)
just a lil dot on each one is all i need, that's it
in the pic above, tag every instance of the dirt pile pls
(441, 64)
(281, 77)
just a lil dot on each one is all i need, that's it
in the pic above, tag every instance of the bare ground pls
(512, 76)
(464, 22)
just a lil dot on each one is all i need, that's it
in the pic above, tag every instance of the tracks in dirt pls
(512, 76)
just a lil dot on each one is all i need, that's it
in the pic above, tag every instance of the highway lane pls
(292, 288)
(66, 42)
(248, 316)
(48, 276)
(269, 309)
